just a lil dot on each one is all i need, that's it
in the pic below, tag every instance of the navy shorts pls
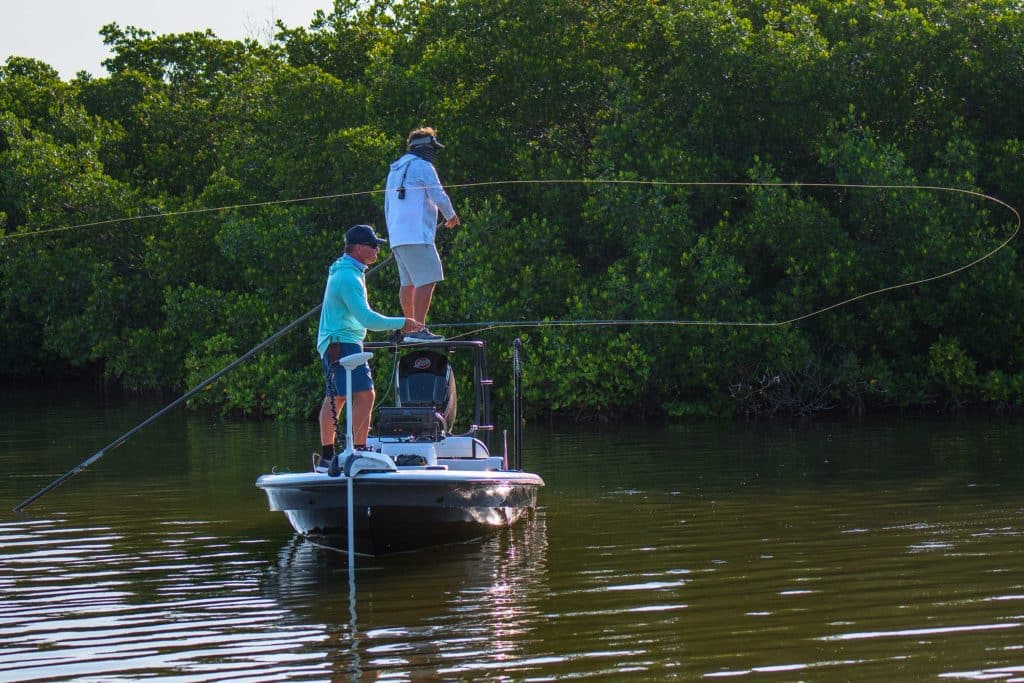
(362, 380)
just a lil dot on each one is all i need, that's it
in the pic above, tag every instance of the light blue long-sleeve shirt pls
(346, 313)
(413, 220)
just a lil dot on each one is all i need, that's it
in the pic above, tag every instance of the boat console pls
(415, 423)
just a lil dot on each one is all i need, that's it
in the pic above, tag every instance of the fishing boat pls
(419, 483)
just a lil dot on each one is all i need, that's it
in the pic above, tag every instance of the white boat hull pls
(415, 484)
(405, 509)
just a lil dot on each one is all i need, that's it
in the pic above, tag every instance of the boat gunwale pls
(419, 477)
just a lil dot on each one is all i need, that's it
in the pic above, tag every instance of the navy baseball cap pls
(363, 234)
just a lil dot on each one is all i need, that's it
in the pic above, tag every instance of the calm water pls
(853, 550)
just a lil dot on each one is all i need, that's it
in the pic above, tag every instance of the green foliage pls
(951, 369)
(263, 386)
(767, 99)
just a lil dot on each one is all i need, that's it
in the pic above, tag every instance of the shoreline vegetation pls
(701, 129)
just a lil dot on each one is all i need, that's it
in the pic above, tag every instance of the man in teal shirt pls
(344, 319)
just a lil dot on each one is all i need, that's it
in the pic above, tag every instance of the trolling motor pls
(353, 462)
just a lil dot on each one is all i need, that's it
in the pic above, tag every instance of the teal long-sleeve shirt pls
(346, 313)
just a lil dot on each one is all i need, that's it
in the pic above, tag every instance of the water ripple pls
(826, 552)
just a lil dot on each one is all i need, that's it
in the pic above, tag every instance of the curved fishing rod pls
(181, 399)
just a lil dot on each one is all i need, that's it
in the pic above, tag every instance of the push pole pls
(191, 392)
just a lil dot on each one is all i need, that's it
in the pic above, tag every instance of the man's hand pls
(453, 221)
(412, 325)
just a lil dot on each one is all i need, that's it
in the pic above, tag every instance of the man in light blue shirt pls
(344, 319)
(412, 199)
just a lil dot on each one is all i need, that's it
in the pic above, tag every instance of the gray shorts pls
(418, 264)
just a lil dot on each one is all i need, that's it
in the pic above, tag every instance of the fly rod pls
(187, 395)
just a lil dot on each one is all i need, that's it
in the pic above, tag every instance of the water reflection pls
(89, 601)
(467, 606)
(184, 603)
(854, 550)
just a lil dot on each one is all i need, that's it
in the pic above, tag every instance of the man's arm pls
(353, 293)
